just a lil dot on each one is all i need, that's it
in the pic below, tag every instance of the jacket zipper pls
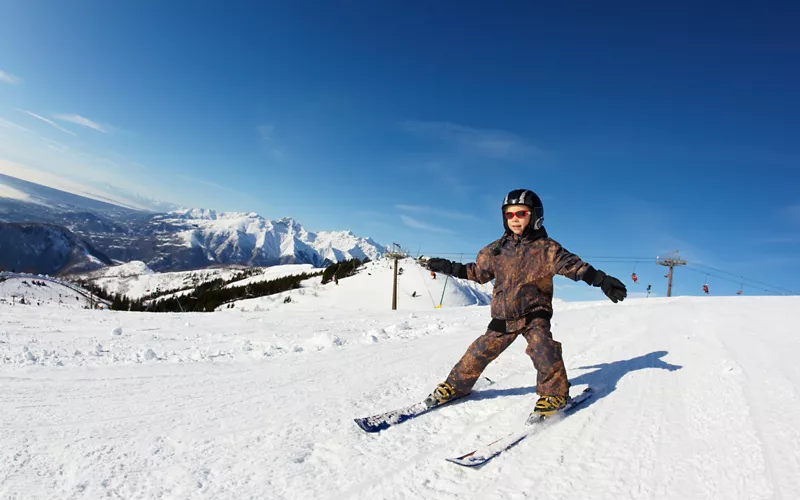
(514, 313)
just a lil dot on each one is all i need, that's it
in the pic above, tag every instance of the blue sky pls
(645, 129)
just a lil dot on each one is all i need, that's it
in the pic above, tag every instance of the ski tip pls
(466, 462)
(362, 424)
(366, 427)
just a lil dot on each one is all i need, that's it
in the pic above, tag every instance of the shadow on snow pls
(603, 379)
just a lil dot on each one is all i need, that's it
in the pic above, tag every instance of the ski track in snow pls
(693, 401)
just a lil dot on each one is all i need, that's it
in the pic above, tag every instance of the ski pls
(383, 421)
(534, 424)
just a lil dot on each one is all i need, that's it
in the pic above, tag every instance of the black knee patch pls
(498, 325)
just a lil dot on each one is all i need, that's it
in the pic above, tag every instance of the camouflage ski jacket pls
(523, 269)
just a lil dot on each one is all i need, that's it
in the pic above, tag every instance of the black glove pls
(445, 266)
(611, 286)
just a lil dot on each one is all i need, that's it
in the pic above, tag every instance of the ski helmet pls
(529, 199)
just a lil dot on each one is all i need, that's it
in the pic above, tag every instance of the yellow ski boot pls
(443, 393)
(548, 405)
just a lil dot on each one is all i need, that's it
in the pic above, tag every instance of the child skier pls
(522, 263)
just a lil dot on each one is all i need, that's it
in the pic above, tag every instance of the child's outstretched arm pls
(570, 265)
(481, 270)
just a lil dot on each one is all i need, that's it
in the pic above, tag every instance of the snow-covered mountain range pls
(247, 238)
(176, 240)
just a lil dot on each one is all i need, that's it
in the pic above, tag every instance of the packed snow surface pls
(696, 398)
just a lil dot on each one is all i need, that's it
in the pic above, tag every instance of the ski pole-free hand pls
(611, 286)
(438, 265)
(448, 267)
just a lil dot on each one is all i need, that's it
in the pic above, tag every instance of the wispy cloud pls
(9, 78)
(82, 121)
(14, 194)
(267, 135)
(214, 185)
(412, 208)
(450, 175)
(8, 124)
(265, 132)
(491, 143)
(414, 223)
(47, 121)
(421, 209)
(29, 156)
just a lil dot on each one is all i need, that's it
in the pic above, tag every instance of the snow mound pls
(133, 268)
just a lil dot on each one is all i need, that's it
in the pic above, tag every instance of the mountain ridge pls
(46, 249)
(188, 238)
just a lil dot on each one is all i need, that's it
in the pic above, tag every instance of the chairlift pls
(633, 274)
(705, 284)
(741, 289)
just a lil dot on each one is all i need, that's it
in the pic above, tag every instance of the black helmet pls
(529, 199)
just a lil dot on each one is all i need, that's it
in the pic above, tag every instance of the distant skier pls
(523, 263)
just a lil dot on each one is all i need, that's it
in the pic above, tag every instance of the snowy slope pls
(41, 291)
(275, 272)
(232, 405)
(135, 279)
(371, 289)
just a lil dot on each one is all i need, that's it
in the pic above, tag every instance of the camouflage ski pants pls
(551, 379)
